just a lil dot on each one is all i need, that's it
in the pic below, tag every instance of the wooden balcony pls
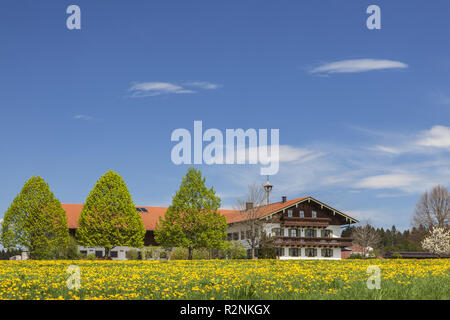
(312, 242)
(305, 222)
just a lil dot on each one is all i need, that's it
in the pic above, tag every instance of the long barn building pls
(304, 228)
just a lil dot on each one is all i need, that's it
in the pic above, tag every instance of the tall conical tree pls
(193, 220)
(35, 221)
(109, 217)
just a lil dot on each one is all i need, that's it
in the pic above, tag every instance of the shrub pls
(200, 254)
(149, 253)
(396, 255)
(132, 254)
(267, 253)
(233, 250)
(356, 256)
(91, 256)
(72, 252)
(179, 254)
(163, 254)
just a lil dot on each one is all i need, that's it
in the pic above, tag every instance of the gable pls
(309, 204)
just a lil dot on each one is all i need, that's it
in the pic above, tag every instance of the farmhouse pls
(304, 228)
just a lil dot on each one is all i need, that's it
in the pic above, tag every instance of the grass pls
(226, 279)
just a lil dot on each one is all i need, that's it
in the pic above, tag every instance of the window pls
(289, 213)
(83, 251)
(302, 214)
(311, 252)
(314, 214)
(235, 235)
(292, 232)
(325, 233)
(327, 252)
(311, 233)
(229, 236)
(242, 235)
(293, 252)
(276, 231)
(98, 253)
(280, 252)
(114, 254)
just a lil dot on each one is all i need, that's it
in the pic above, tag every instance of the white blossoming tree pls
(438, 241)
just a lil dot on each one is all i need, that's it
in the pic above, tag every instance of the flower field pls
(226, 279)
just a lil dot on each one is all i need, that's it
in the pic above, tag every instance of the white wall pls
(121, 251)
(238, 227)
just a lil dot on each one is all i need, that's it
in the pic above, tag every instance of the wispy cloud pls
(358, 65)
(388, 181)
(436, 137)
(202, 85)
(150, 89)
(338, 170)
(325, 166)
(83, 117)
(390, 150)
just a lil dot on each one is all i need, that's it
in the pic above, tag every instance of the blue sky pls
(363, 114)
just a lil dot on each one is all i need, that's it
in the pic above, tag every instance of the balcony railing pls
(305, 221)
(312, 241)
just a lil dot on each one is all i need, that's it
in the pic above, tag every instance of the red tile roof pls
(151, 217)
(237, 216)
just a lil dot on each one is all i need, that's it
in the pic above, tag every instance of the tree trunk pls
(107, 253)
(190, 253)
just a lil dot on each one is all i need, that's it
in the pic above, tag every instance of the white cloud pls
(83, 117)
(149, 89)
(358, 65)
(335, 171)
(286, 154)
(202, 85)
(436, 137)
(391, 150)
(295, 154)
(145, 89)
(387, 181)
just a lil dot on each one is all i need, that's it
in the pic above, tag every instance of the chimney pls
(283, 199)
(248, 206)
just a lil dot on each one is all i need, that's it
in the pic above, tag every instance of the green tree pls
(35, 221)
(193, 220)
(109, 217)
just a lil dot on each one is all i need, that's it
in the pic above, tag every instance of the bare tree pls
(251, 208)
(433, 208)
(366, 236)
